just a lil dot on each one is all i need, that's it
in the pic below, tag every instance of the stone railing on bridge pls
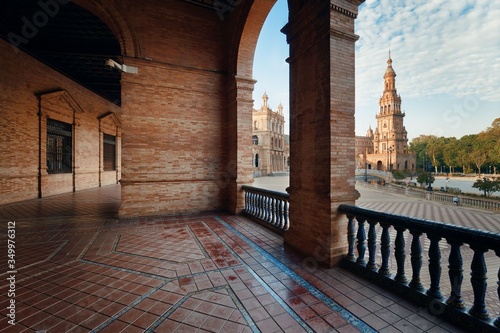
(386, 176)
(461, 200)
(269, 207)
(441, 238)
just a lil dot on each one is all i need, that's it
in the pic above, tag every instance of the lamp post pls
(366, 172)
(389, 151)
(366, 165)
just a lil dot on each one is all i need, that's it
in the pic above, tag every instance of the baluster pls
(266, 208)
(361, 236)
(385, 250)
(478, 281)
(252, 203)
(399, 253)
(279, 213)
(256, 204)
(287, 217)
(455, 272)
(272, 207)
(254, 208)
(497, 321)
(351, 236)
(276, 212)
(246, 202)
(416, 261)
(372, 246)
(273, 211)
(260, 205)
(434, 267)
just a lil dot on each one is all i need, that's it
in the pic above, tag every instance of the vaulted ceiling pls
(74, 42)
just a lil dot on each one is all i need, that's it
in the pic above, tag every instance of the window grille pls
(59, 147)
(109, 151)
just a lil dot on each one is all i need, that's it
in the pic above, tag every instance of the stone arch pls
(249, 36)
(110, 13)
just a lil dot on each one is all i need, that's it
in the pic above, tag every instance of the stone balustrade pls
(442, 238)
(270, 207)
(424, 285)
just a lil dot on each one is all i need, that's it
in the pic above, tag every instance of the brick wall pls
(173, 113)
(22, 79)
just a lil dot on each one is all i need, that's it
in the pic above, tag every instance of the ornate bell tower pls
(390, 137)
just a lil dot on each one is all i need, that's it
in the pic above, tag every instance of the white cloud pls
(444, 52)
(439, 47)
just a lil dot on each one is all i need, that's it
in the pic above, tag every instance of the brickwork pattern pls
(321, 38)
(23, 132)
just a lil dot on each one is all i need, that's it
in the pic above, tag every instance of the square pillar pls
(322, 136)
(239, 141)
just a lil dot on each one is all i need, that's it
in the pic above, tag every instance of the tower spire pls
(265, 98)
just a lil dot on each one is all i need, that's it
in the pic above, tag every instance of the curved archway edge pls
(110, 14)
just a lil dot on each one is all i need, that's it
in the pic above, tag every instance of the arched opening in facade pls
(255, 140)
(270, 92)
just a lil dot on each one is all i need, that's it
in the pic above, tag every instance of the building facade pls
(270, 145)
(386, 148)
(178, 102)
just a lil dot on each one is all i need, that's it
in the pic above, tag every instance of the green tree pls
(419, 146)
(450, 154)
(469, 152)
(487, 186)
(398, 175)
(490, 138)
(464, 147)
(425, 178)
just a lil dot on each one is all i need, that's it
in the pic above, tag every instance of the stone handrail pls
(270, 207)
(360, 241)
(461, 200)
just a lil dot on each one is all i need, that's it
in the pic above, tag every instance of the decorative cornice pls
(343, 35)
(244, 88)
(343, 11)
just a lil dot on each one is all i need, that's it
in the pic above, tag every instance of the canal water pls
(463, 183)
(280, 183)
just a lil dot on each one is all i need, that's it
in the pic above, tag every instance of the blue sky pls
(446, 54)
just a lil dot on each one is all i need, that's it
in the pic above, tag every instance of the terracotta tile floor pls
(89, 272)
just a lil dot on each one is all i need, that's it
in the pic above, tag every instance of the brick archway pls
(110, 13)
(240, 105)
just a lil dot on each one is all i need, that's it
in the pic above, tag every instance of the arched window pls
(255, 125)
(255, 140)
(256, 160)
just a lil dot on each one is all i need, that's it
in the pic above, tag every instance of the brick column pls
(321, 37)
(239, 135)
